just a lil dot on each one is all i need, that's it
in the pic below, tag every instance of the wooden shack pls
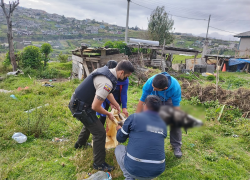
(86, 59)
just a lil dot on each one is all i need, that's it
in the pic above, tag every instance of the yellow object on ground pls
(111, 141)
(209, 74)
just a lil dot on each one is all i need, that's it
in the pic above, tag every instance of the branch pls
(4, 8)
(14, 5)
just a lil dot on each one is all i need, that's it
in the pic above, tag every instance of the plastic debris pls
(100, 175)
(47, 84)
(13, 96)
(19, 137)
(59, 139)
(15, 73)
(29, 111)
(5, 91)
(192, 145)
(235, 136)
(19, 88)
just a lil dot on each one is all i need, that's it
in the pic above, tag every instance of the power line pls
(222, 30)
(169, 13)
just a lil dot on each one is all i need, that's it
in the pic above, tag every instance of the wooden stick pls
(163, 48)
(217, 77)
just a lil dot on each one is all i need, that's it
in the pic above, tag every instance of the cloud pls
(229, 15)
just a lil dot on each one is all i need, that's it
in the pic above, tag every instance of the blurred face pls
(157, 89)
(121, 75)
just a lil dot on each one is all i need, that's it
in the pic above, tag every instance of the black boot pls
(78, 146)
(103, 167)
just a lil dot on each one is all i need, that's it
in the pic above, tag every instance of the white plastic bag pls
(19, 137)
(100, 175)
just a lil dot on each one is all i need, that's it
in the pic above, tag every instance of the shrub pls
(63, 58)
(31, 57)
(49, 73)
(46, 49)
(109, 44)
(211, 77)
(6, 61)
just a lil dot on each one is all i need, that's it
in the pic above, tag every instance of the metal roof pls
(244, 34)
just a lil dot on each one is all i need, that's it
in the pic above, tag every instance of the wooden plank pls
(179, 52)
(247, 68)
(93, 67)
(86, 68)
(103, 52)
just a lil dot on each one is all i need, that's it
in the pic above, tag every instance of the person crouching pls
(144, 157)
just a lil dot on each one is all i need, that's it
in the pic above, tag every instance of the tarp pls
(233, 61)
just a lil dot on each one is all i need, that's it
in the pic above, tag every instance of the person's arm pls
(97, 106)
(112, 100)
(124, 98)
(146, 90)
(177, 108)
(123, 132)
(139, 106)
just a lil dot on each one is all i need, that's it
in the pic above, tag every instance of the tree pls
(160, 25)
(8, 15)
(109, 44)
(46, 49)
(62, 57)
(31, 57)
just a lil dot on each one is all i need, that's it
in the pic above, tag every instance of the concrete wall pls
(191, 62)
(244, 44)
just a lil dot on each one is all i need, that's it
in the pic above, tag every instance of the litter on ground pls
(29, 111)
(19, 137)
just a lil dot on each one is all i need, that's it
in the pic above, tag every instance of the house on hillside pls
(244, 45)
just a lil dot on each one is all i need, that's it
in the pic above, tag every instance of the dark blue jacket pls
(146, 132)
(120, 94)
(173, 91)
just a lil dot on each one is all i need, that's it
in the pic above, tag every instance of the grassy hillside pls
(208, 152)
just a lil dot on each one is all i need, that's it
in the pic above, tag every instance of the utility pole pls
(126, 33)
(206, 41)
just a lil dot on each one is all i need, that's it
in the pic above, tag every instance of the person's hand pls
(110, 116)
(118, 127)
(116, 107)
(112, 106)
(125, 111)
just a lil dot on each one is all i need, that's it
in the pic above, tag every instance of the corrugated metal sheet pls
(233, 61)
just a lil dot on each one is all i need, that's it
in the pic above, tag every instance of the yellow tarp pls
(111, 141)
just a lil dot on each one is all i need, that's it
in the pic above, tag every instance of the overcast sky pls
(229, 15)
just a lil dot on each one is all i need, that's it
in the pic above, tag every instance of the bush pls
(31, 57)
(109, 44)
(211, 77)
(63, 58)
(6, 61)
(46, 49)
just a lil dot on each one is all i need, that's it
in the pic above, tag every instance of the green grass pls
(181, 58)
(208, 152)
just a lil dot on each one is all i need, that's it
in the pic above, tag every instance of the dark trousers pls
(175, 133)
(99, 139)
(98, 132)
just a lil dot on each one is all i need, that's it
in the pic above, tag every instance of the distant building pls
(244, 42)
(102, 26)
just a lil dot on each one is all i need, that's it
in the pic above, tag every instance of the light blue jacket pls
(173, 91)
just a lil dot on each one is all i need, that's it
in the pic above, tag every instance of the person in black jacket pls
(87, 100)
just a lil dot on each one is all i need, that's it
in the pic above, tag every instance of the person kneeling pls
(144, 157)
